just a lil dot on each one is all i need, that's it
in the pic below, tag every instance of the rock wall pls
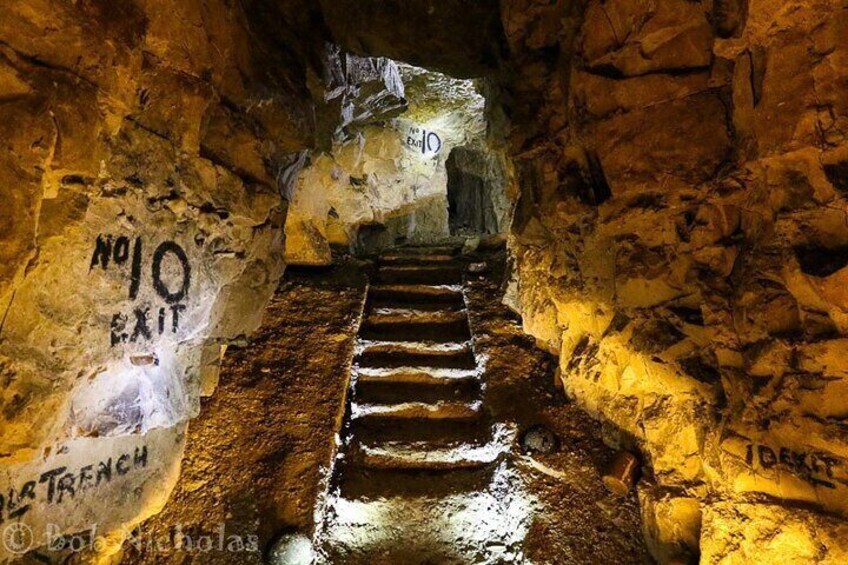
(477, 192)
(462, 39)
(680, 239)
(680, 243)
(385, 180)
(371, 184)
(141, 229)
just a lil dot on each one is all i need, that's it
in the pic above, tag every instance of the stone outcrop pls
(680, 242)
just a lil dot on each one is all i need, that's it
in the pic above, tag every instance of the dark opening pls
(470, 190)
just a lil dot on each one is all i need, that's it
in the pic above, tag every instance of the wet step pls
(416, 354)
(445, 432)
(369, 391)
(423, 456)
(415, 259)
(447, 274)
(416, 297)
(448, 411)
(360, 483)
(402, 324)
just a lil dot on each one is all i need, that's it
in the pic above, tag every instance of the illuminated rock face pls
(372, 186)
(680, 238)
(385, 180)
(680, 242)
(141, 228)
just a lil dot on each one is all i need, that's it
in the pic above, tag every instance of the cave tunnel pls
(300, 282)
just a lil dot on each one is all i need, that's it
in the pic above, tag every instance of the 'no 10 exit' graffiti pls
(138, 325)
(427, 142)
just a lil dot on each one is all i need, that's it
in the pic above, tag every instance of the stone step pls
(445, 411)
(417, 297)
(360, 483)
(421, 274)
(426, 250)
(423, 468)
(415, 259)
(400, 324)
(371, 391)
(415, 354)
(423, 456)
(423, 375)
(413, 316)
(446, 432)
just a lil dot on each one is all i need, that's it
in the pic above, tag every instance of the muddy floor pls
(256, 459)
(257, 455)
(574, 519)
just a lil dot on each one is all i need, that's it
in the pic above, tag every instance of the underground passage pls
(381, 282)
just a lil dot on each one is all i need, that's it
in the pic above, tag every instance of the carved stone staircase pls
(416, 435)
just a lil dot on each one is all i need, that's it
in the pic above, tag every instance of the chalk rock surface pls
(386, 182)
(141, 229)
(680, 242)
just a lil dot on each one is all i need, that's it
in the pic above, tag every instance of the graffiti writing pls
(428, 142)
(125, 329)
(59, 485)
(815, 468)
(143, 321)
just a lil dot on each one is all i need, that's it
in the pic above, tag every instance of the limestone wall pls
(680, 239)
(680, 242)
(384, 182)
(141, 228)
(375, 179)
(477, 192)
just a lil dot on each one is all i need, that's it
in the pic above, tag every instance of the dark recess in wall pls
(471, 208)
(820, 261)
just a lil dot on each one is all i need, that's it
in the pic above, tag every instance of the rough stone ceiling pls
(432, 93)
(463, 39)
